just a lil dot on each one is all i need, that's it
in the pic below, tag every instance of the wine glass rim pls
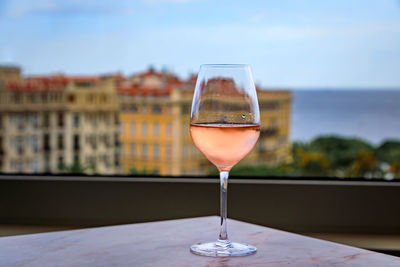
(217, 66)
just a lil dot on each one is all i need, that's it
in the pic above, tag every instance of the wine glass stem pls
(223, 235)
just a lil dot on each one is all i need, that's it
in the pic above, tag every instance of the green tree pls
(311, 163)
(364, 165)
(341, 152)
(389, 151)
(395, 169)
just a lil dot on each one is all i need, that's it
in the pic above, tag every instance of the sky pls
(288, 43)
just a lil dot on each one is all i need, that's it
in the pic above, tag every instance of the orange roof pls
(167, 82)
(60, 77)
(90, 79)
(48, 83)
(37, 85)
(227, 86)
(124, 86)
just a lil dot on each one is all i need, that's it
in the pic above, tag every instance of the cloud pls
(25, 8)
(22, 8)
(259, 17)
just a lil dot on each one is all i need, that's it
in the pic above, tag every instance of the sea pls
(372, 115)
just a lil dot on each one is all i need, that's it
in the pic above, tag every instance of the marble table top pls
(166, 243)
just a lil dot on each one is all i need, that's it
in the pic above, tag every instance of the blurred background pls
(105, 88)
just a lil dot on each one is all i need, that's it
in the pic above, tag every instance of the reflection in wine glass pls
(225, 126)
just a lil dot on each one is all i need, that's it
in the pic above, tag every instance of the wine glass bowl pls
(225, 126)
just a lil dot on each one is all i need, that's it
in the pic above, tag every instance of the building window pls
(185, 151)
(116, 160)
(120, 127)
(60, 163)
(144, 151)
(185, 109)
(156, 151)
(60, 119)
(76, 144)
(156, 130)
(94, 120)
(90, 98)
(133, 128)
(76, 120)
(60, 141)
(35, 145)
(103, 98)
(116, 140)
(132, 150)
(17, 98)
(102, 139)
(120, 151)
(116, 119)
(168, 151)
(71, 98)
(91, 161)
(169, 129)
(20, 122)
(35, 122)
(1, 151)
(33, 98)
(107, 139)
(20, 146)
(107, 119)
(102, 117)
(144, 129)
(46, 163)
(107, 161)
(46, 119)
(46, 142)
(133, 108)
(93, 141)
(35, 165)
(156, 109)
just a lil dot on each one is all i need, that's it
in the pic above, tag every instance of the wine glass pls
(225, 126)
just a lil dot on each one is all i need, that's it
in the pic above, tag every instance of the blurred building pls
(58, 123)
(155, 126)
(113, 124)
(273, 146)
(155, 114)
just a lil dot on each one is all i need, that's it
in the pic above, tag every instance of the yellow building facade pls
(155, 129)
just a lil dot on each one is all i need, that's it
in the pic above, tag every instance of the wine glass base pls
(222, 249)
